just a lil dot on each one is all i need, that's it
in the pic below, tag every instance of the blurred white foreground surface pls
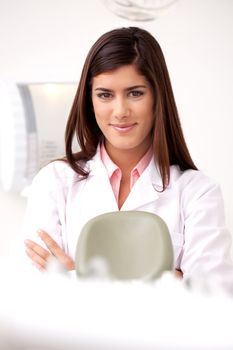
(53, 312)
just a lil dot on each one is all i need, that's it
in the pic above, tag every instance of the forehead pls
(121, 77)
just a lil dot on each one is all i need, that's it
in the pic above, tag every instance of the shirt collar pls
(111, 167)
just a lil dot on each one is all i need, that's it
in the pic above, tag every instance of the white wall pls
(47, 40)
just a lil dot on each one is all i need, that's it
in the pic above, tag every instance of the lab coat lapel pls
(145, 190)
(99, 189)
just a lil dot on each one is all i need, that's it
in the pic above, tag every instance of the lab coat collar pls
(145, 190)
(153, 172)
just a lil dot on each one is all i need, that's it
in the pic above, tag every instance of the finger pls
(55, 249)
(37, 254)
(39, 262)
(38, 266)
(37, 249)
(67, 262)
(51, 244)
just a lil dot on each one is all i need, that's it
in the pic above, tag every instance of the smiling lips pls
(124, 127)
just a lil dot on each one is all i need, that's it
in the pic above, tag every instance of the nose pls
(121, 108)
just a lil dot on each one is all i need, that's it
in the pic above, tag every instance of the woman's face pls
(123, 106)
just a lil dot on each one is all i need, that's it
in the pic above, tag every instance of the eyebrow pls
(127, 89)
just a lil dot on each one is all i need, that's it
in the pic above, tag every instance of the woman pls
(133, 157)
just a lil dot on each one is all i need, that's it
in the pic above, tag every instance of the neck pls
(126, 160)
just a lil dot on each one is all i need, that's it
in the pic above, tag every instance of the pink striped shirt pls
(114, 172)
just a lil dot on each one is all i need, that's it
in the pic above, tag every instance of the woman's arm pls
(207, 247)
(46, 212)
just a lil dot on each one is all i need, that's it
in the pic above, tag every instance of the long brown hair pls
(113, 49)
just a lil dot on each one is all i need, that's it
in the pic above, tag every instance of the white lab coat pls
(192, 207)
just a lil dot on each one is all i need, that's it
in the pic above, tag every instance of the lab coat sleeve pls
(207, 245)
(46, 206)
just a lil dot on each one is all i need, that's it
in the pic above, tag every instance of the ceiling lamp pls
(138, 10)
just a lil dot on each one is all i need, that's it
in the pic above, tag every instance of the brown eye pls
(136, 93)
(104, 95)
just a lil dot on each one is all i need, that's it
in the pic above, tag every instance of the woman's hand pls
(40, 256)
(179, 274)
